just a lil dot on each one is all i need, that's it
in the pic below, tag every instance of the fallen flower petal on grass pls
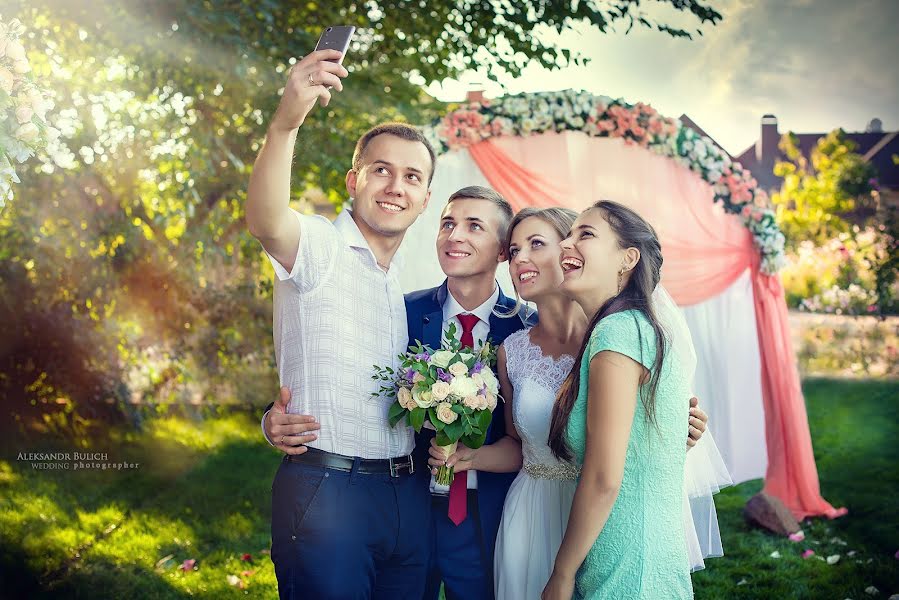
(233, 579)
(871, 590)
(246, 556)
(797, 537)
(248, 573)
(742, 582)
(833, 559)
(775, 554)
(808, 553)
(188, 564)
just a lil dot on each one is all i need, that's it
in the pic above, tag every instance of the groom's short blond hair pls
(480, 192)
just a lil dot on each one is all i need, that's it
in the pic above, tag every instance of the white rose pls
(458, 369)
(478, 380)
(471, 402)
(21, 66)
(527, 125)
(440, 390)
(445, 413)
(404, 397)
(482, 402)
(23, 114)
(27, 132)
(423, 399)
(463, 386)
(491, 402)
(442, 358)
(7, 80)
(490, 380)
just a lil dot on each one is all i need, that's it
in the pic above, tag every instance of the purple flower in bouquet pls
(423, 356)
(477, 367)
(443, 375)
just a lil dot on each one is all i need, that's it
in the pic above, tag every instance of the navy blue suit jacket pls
(424, 313)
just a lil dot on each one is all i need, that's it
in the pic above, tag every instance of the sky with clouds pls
(815, 64)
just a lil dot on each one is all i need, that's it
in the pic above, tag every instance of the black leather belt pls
(395, 467)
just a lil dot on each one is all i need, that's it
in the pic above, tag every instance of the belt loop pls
(356, 462)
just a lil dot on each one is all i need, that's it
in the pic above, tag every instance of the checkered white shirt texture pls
(336, 315)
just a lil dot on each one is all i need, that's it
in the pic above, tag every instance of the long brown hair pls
(632, 232)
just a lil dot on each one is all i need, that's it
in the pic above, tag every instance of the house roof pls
(878, 148)
(688, 122)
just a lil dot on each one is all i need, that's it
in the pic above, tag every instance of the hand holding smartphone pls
(336, 38)
(313, 78)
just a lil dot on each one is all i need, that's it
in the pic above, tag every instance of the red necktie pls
(458, 494)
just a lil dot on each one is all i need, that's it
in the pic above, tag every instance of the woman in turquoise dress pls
(619, 417)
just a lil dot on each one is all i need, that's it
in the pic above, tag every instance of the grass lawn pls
(202, 490)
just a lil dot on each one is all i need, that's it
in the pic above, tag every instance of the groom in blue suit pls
(470, 245)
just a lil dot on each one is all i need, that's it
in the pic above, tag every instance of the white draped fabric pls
(728, 376)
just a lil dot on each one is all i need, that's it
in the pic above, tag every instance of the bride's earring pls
(620, 277)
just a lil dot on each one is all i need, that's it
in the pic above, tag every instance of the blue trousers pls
(346, 535)
(458, 557)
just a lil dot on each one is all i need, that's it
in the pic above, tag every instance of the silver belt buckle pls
(401, 465)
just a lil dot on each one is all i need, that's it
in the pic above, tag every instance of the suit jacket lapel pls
(432, 322)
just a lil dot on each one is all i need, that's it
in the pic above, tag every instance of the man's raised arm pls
(267, 213)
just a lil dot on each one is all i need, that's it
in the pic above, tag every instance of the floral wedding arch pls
(720, 239)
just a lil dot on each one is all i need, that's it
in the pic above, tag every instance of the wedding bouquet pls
(454, 389)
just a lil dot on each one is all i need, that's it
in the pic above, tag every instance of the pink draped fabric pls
(705, 250)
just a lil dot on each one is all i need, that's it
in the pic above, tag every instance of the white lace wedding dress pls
(538, 504)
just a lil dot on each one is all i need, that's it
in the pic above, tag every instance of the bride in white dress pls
(532, 366)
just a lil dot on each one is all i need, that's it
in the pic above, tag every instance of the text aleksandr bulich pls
(39, 456)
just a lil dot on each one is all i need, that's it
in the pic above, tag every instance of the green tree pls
(125, 267)
(818, 193)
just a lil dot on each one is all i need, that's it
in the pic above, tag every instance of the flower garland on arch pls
(736, 191)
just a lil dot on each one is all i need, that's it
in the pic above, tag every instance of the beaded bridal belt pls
(559, 472)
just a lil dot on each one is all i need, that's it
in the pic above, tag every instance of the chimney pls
(475, 96)
(766, 147)
(875, 126)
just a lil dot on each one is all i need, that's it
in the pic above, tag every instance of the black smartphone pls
(336, 38)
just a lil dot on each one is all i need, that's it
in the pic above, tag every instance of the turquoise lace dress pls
(641, 552)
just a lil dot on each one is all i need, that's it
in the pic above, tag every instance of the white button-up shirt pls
(451, 310)
(336, 315)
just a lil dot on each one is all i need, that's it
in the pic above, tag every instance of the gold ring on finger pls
(282, 440)
(311, 81)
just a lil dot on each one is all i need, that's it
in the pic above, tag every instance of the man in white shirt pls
(346, 512)
(470, 244)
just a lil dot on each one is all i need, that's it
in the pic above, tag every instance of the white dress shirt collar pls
(352, 235)
(452, 308)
